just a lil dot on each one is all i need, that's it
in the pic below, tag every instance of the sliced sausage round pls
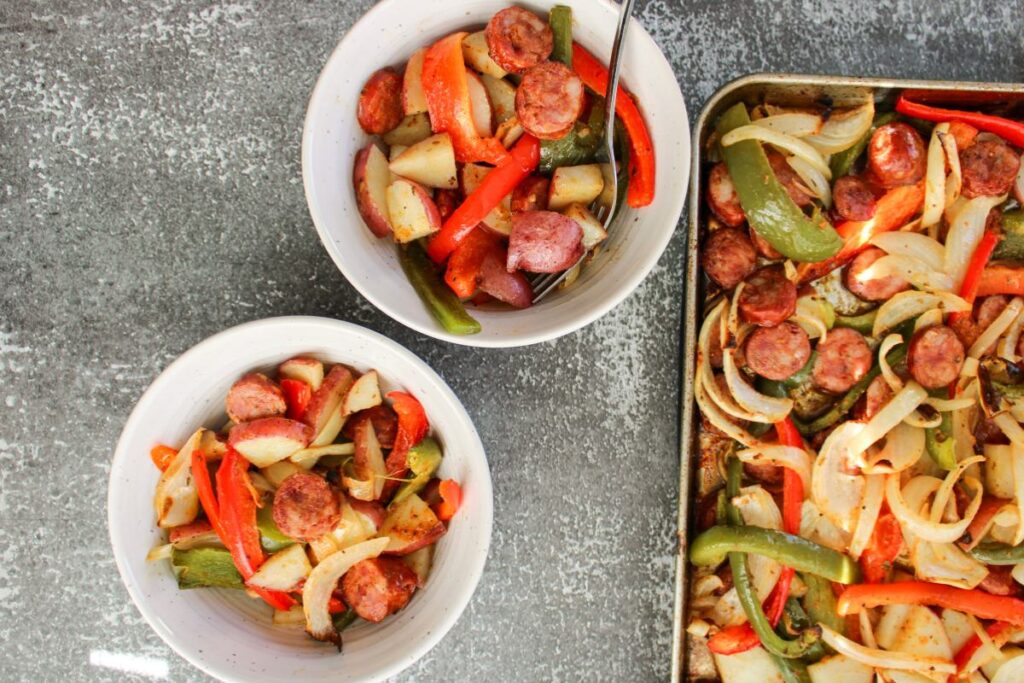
(378, 587)
(935, 356)
(380, 103)
(896, 155)
(549, 100)
(728, 257)
(785, 174)
(254, 396)
(778, 352)
(764, 247)
(305, 507)
(989, 168)
(531, 194)
(722, 197)
(874, 399)
(874, 289)
(853, 199)
(543, 242)
(385, 424)
(843, 359)
(768, 297)
(518, 39)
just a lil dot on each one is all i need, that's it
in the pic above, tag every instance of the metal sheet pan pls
(688, 662)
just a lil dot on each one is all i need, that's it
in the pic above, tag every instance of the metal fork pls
(544, 283)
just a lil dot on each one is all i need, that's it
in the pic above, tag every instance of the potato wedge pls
(364, 393)
(414, 128)
(430, 162)
(480, 105)
(176, 500)
(499, 219)
(478, 55)
(370, 177)
(593, 232)
(413, 212)
(269, 439)
(368, 470)
(575, 184)
(283, 570)
(413, 99)
(323, 413)
(308, 370)
(409, 526)
(502, 95)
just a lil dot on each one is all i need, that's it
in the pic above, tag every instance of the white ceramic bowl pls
(387, 35)
(229, 635)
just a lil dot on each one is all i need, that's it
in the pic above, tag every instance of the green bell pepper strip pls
(766, 202)
(795, 621)
(1011, 247)
(205, 568)
(344, 619)
(439, 300)
(998, 553)
(820, 603)
(560, 20)
(863, 323)
(580, 146)
(792, 670)
(423, 459)
(938, 440)
(271, 538)
(842, 162)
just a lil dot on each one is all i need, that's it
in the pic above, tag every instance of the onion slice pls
(910, 268)
(904, 446)
(884, 659)
(890, 377)
(790, 457)
(955, 179)
(946, 564)
(935, 178)
(966, 227)
(799, 124)
(843, 129)
(1010, 671)
(813, 178)
(909, 514)
(721, 399)
(794, 146)
(764, 408)
(316, 593)
(719, 419)
(988, 338)
(892, 413)
(1008, 346)
(837, 493)
(909, 304)
(874, 494)
(913, 244)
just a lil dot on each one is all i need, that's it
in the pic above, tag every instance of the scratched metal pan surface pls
(691, 660)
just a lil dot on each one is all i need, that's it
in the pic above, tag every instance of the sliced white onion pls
(790, 457)
(719, 419)
(883, 659)
(815, 526)
(904, 446)
(1017, 456)
(874, 494)
(320, 584)
(1018, 185)
(988, 338)
(947, 405)
(722, 399)
(966, 228)
(913, 244)
(955, 179)
(1008, 345)
(946, 564)
(916, 419)
(814, 316)
(892, 413)
(944, 496)
(928, 319)
(836, 492)
(799, 124)
(890, 377)
(1011, 428)
(764, 408)
(935, 178)
(813, 178)
(912, 520)
(964, 420)
(732, 324)
(843, 129)
(1010, 671)
(794, 146)
(910, 268)
(909, 304)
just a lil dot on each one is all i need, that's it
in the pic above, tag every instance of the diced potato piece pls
(308, 370)
(509, 132)
(279, 471)
(607, 192)
(575, 184)
(414, 128)
(502, 95)
(922, 633)
(430, 162)
(410, 525)
(283, 570)
(395, 151)
(593, 232)
(368, 468)
(958, 628)
(752, 666)
(478, 55)
(840, 669)
(413, 99)
(370, 176)
(480, 105)
(176, 499)
(364, 393)
(413, 213)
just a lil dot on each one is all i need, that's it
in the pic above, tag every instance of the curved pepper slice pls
(446, 88)
(412, 427)
(766, 202)
(463, 272)
(443, 305)
(1009, 130)
(977, 602)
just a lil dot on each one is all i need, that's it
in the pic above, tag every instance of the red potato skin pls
(722, 198)
(429, 536)
(378, 587)
(935, 356)
(305, 507)
(518, 39)
(372, 510)
(374, 216)
(270, 427)
(338, 380)
(380, 108)
(989, 168)
(896, 155)
(254, 396)
(361, 461)
(549, 100)
(729, 257)
(180, 533)
(407, 78)
(385, 424)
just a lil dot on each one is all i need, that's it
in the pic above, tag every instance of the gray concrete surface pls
(150, 195)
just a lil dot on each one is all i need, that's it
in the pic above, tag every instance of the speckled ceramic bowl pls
(229, 635)
(387, 35)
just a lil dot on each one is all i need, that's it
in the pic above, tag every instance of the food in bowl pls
(858, 379)
(489, 163)
(319, 496)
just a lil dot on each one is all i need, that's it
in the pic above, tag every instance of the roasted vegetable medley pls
(860, 382)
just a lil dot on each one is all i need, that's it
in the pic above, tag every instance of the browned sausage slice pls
(896, 155)
(778, 352)
(305, 507)
(728, 257)
(935, 357)
(378, 587)
(875, 289)
(853, 199)
(543, 242)
(254, 396)
(549, 100)
(843, 359)
(722, 197)
(518, 39)
(385, 424)
(989, 168)
(785, 174)
(768, 297)
(380, 103)
(531, 194)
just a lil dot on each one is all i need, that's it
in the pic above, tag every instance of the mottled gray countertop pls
(150, 195)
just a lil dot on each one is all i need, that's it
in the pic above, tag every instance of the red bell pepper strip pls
(975, 270)
(524, 157)
(204, 487)
(412, 427)
(641, 150)
(740, 638)
(162, 456)
(1009, 130)
(965, 653)
(296, 396)
(463, 272)
(1001, 280)
(446, 88)
(237, 512)
(977, 602)
(451, 499)
(894, 210)
(883, 548)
